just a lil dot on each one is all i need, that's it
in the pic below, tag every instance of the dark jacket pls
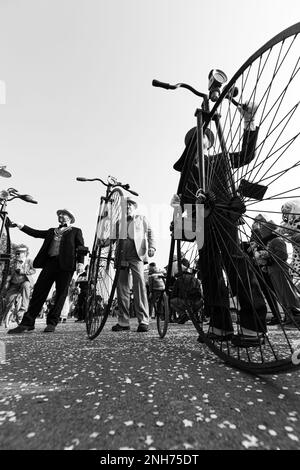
(187, 286)
(68, 254)
(218, 166)
(237, 159)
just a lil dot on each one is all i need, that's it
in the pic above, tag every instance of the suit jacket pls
(27, 269)
(68, 254)
(142, 234)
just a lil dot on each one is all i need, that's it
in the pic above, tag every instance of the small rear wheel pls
(162, 314)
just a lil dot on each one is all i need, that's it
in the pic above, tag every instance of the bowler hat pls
(65, 211)
(189, 138)
(209, 134)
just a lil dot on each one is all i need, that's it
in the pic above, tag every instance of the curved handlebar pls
(167, 86)
(12, 193)
(112, 184)
(231, 94)
(27, 198)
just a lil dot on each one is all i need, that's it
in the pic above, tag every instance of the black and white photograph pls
(149, 229)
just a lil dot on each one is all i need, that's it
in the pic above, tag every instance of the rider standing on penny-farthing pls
(221, 248)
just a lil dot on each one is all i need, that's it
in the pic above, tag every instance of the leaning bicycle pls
(104, 263)
(251, 179)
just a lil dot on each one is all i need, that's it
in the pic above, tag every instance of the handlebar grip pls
(133, 192)
(159, 84)
(27, 198)
(81, 178)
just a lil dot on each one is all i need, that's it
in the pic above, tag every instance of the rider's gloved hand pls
(248, 111)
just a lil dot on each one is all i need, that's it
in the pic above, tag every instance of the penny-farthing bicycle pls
(233, 189)
(104, 257)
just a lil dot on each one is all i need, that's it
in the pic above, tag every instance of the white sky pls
(79, 100)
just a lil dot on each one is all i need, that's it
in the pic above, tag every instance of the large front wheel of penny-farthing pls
(103, 274)
(252, 179)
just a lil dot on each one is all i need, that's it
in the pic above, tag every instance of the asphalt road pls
(133, 390)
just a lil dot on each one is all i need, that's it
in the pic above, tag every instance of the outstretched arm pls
(32, 232)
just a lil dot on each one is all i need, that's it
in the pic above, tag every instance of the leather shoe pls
(118, 327)
(183, 319)
(246, 341)
(20, 329)
(273, 321)
(49, 329)
(142, 328)
(213, 337)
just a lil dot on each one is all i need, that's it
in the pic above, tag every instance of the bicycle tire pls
(5, 250)
(12, 314)
(261, 185)
(103, 273)
(162, 312)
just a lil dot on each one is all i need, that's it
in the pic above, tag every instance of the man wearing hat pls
(133, 252)
(223, 210)
(20, 280)
(57, 258)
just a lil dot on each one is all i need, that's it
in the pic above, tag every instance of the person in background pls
(275, 254)
(261, 268)
(20, 279)
(186, 294)
(82, 284)
(156, 286)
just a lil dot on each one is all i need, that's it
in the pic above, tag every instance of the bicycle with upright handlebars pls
(104, 263)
